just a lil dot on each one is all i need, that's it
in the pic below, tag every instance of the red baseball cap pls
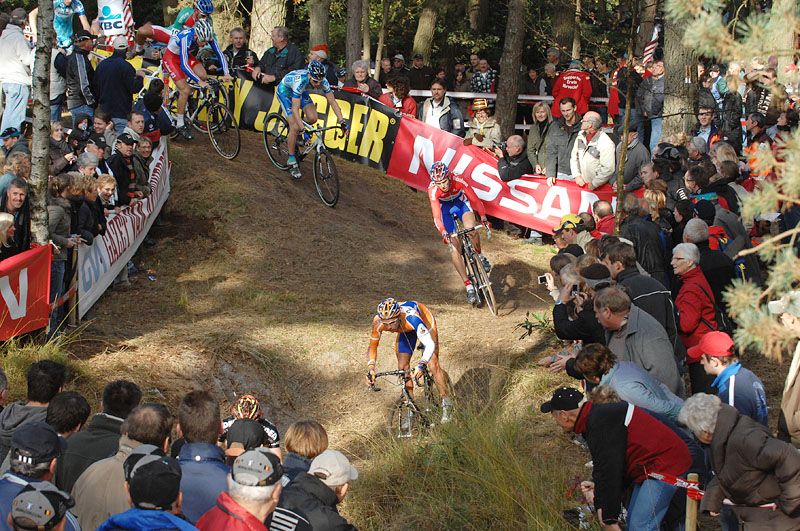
(716, 344)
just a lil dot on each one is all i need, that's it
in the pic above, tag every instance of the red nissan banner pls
(25, 290)
(528, 201)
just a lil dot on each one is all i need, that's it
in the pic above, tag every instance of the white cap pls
(120, 42)
(335, 468)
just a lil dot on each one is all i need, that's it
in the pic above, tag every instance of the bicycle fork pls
(405, 421)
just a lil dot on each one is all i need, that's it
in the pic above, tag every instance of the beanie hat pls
(321, 50)
(595, 275)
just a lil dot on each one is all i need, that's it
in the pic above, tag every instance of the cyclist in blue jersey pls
(182, 65)
(293, 97)
(63, 11)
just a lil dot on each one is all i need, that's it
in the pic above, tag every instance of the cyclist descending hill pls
(187, 17)
(450, 194)
(180, 62)
(411, 321)
(293, 96)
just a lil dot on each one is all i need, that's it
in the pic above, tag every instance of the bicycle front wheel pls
(485, 286)
(326, 178)
(224, 131)
(275, 132)
(404, 419)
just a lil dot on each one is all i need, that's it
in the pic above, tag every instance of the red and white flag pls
(651, 46)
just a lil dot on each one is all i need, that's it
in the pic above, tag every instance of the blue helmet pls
(316, 70)
(439, 171)
(206, 7)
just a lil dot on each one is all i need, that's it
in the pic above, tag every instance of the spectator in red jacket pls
(603, 216)
(573, 84)
(398, 97)
(695, 302)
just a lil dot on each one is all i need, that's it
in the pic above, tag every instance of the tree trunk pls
(381, 39)
(169, 8)
(510, 61)
(425, 28)
(475, 10)
(366, 44)
(680, 85)
(265, 16)
(646, 25)
(319, 17)
(40, 148)
(563, 25)
(626, 124)
(786, 43)
(576, 32)
(353, 38)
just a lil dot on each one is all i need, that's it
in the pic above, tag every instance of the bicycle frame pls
(315, 133)
(407, 403)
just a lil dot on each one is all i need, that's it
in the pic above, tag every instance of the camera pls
(501, 145)
(575, 291)
(542, 279)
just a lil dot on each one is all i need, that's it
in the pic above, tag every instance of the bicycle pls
(201, 99)
(475, 271)
(326, 178)
(409, 416)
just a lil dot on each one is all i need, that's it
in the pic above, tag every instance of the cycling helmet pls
(203, 30)
(247, 407)
(388, 309)
(439, 171)
(206, 7)
(316, 70)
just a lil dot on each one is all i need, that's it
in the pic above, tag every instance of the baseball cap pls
(257, 468)
(595, 275)
(714, 68)
(120, 42)
(333, 468)
(704, 209)
(36, 442)
(83, 35)
(417, 56)
(789, 303)
(243, 435)
(716, 344)
(126, 138)
(40, 506)
(18, 16)
(570, 221)
(564, 399)
(97, 140)
(574, 249)
(399, 56)
(8, 132)
(154, 479)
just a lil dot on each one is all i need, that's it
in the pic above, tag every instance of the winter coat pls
(407, 105)
(751, 467)
(20, 146)
(58, 215)
(718, 269)
(14, 416)
(374, 87)
(637, 156)
(635, 386)
(559, 146)
(572, 84)
(650, 97)
(593, 159)
(141, 169)
(537, 143)
(205, 475)
(647, 344)
(80, 79)
(789, 421)
(278, 63)
(646, 238)
(125, 174)
(450, 118)
(510, 168)
(116, 83)
(308, 495)
(421, 78)
(490, 130)
(606, 225)
(585, 328)
(98, 441)
(230, 516)
(727, 197)
(483, 83)
(146, 520)
(59, 164)
(16, 56)
(91, 222)
(742, 389)
(694, 307)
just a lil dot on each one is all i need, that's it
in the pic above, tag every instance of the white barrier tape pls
(491, 96)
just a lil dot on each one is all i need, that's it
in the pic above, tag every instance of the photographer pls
(512, 162)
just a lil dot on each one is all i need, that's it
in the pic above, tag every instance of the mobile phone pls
(542, 279)
(575, 291)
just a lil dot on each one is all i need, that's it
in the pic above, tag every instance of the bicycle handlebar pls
(476, 227)
(398, 372)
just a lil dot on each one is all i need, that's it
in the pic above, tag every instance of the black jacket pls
(723, 190)
(91, 221)
(116, 82)
(280, 62)
(236, 59)
(22, 229)
(585, 328)
(421, 78)
(308, 495)
(646, 238)
(124, 174)
(718, 269)
(99, 440)
(511, 168)
(80, 79)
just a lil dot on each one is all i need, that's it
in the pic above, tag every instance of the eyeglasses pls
(704, 114)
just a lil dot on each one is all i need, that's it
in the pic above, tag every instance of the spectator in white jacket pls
(16, 59)
(593, 158)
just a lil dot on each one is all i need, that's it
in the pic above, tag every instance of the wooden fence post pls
(691, 506)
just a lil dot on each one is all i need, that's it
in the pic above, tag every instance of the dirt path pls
(261, 289)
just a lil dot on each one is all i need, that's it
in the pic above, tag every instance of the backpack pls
(722, 243)
(723, 323)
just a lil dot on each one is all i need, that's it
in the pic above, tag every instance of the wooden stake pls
(691, 506)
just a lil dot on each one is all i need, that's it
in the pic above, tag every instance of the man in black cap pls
(121, 163)
(625, 443)
(153, 481)
(13, 143)
(96, 145)
(80, 76)
(421, 75)
(35, 448)
(40, 507)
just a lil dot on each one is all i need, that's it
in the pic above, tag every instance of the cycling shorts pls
(286, 101)
(407, 341)
(172, 64)
(459, 208)
(162, 34)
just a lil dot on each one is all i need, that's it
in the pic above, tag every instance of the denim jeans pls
(655, 133)
(635, 121)
(120, 124)
(649, 503)
(16, 103)
(57, 269)
(82, 109)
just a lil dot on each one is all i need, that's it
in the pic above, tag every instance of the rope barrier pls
(693, 490)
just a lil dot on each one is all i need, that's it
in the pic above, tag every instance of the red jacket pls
(573, 84)
(693, 304)
(408, 105)
(606, 225)
(230, 516)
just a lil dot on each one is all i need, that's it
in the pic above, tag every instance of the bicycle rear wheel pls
(276, 129)
(224, 131)
(485, 286)
(326, 178)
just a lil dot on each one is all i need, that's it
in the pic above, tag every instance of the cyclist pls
(63, 11)
(410, 320)
(293, 97)
(248, 407)
(450, 194)
(186, 19)
(180, 62)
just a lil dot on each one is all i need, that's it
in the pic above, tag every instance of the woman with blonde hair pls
(6, 229)
(538, 135)
(303, 441)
